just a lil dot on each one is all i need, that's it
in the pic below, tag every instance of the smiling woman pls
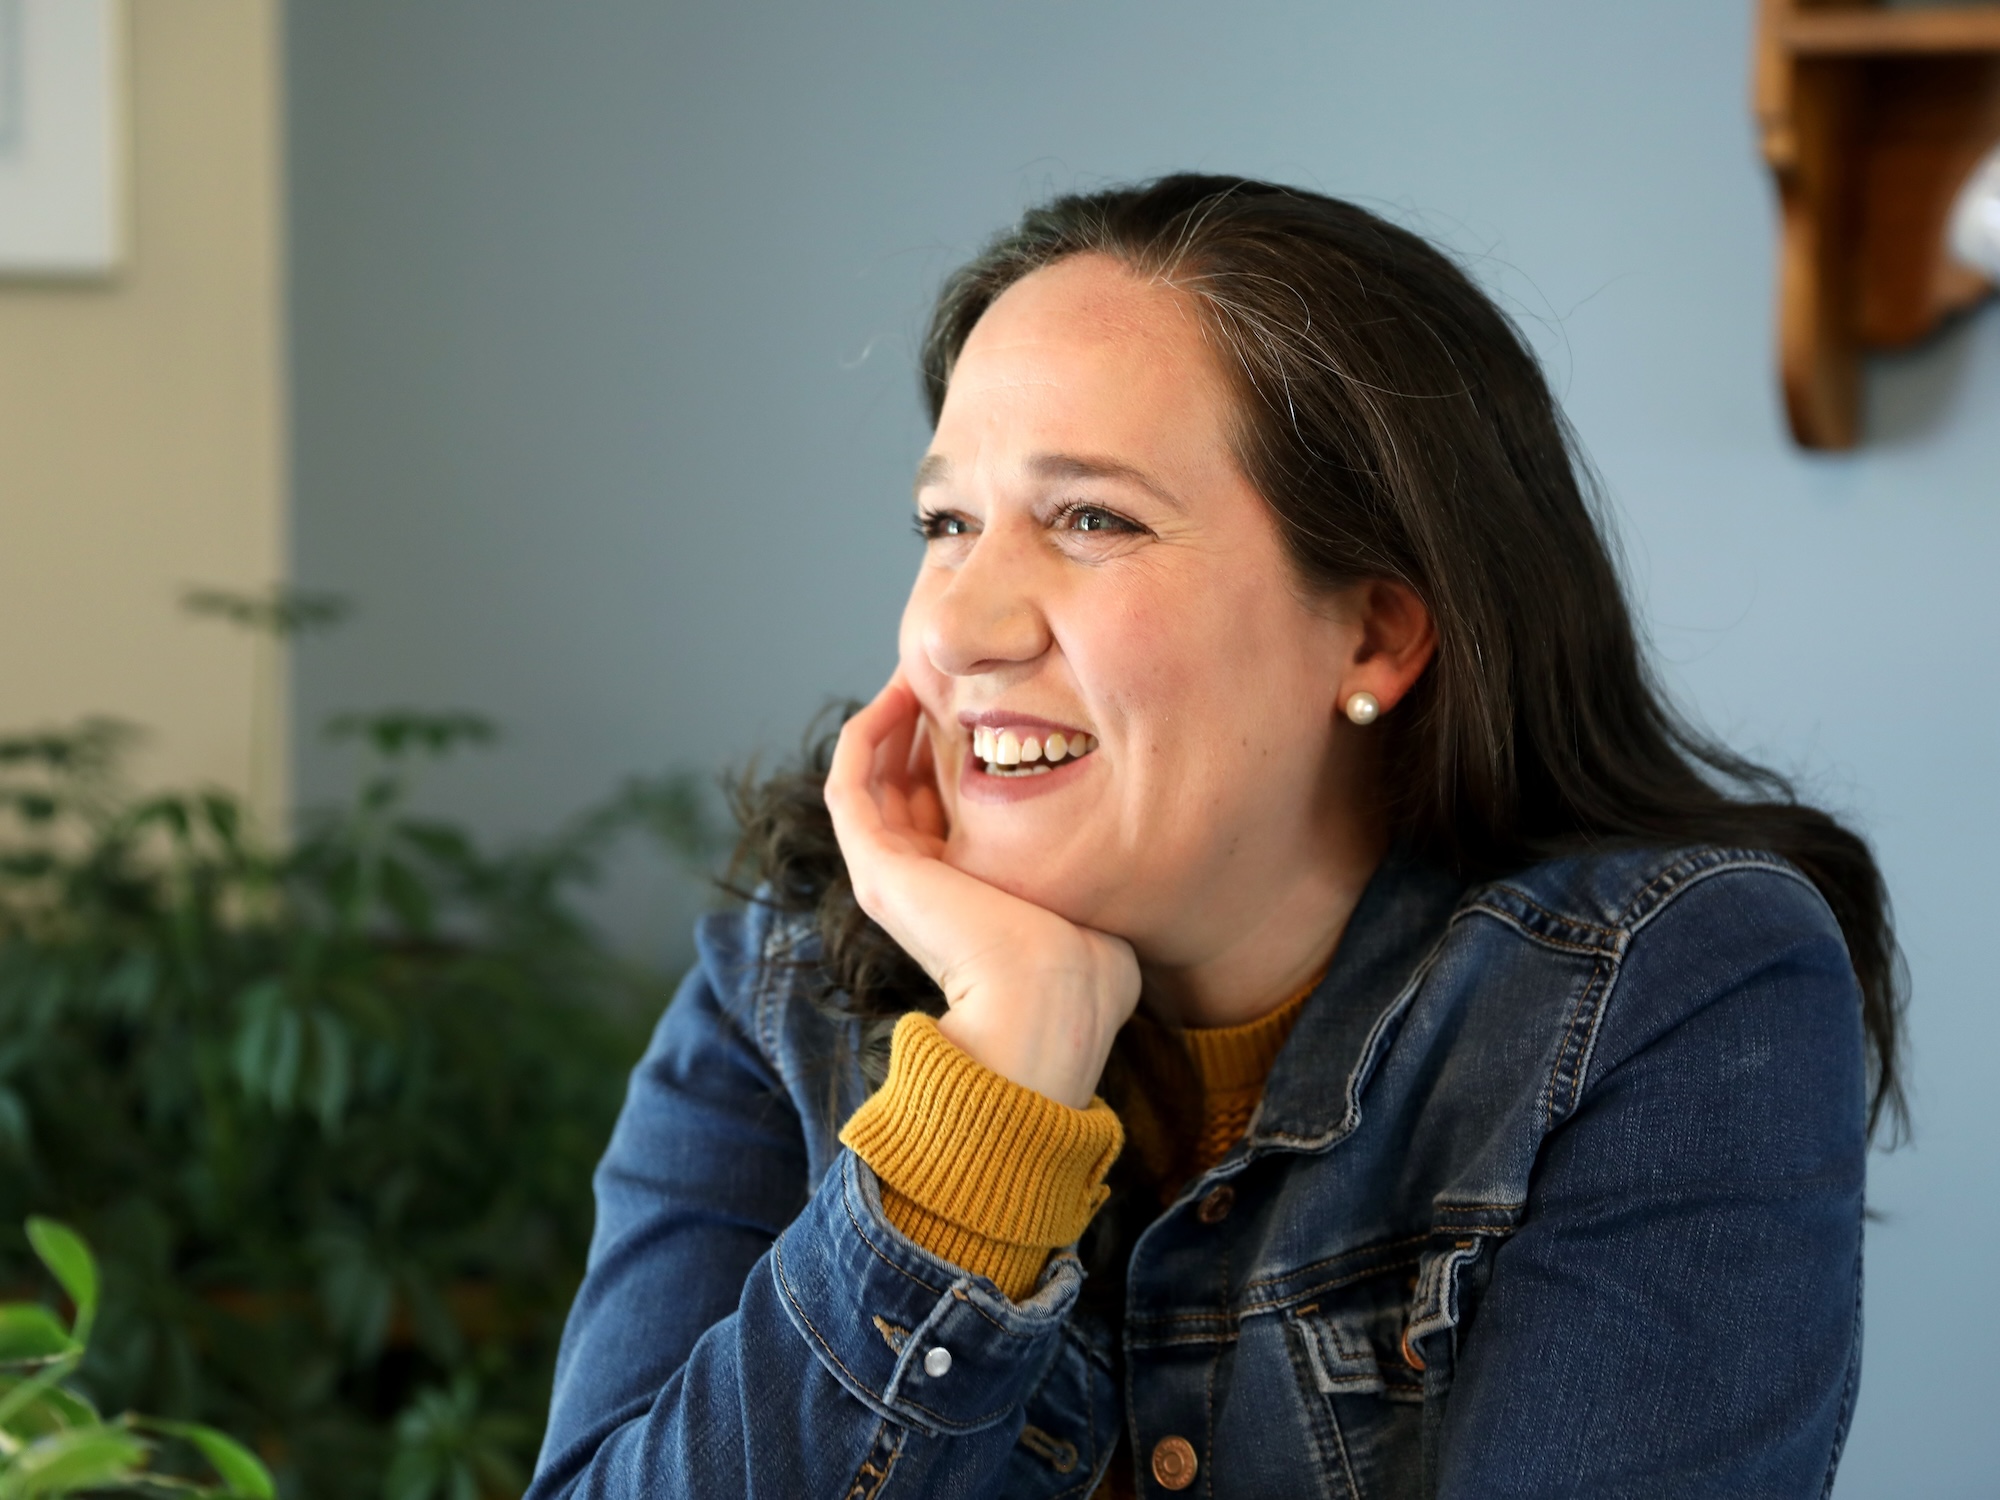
(1268, 997)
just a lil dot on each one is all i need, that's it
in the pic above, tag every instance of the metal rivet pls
(937, 1363)
(1214, 1208)
(1174, 1463)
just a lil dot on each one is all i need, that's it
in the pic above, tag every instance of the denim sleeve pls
(735, 1335)
(1679, 1312)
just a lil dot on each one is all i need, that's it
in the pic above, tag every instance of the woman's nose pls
(987, 617)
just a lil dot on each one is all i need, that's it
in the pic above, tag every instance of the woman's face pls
(1100, 577)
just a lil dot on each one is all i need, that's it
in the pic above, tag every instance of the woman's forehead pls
(1086, 302)
(1087, 357)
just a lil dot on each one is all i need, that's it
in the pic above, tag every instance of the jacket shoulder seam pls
(1685, 874)
(1655, 897)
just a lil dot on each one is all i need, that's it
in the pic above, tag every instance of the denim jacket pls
(1556, 1189)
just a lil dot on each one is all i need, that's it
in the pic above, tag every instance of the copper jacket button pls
(1410, 1356)
(1174, 1463)
(1215, 1207)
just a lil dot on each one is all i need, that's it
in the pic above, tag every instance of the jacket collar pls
(1313, 1096)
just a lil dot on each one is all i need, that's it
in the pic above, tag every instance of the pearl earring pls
(1362, 708)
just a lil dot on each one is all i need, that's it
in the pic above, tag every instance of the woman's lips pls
(1012, 755)
(979, 783)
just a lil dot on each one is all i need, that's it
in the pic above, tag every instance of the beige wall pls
(142, 421)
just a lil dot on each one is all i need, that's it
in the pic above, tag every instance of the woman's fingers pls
(863, 733)
(926, 802)
(869, 795)
(851, 774)
(892, 751)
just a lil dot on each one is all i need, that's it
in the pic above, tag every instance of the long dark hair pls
(1399, 428)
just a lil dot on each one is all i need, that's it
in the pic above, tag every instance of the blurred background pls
(568, 351)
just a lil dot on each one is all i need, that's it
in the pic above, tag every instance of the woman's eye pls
(1093, 518)
(933, 524)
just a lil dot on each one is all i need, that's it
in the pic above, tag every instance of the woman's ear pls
(1396, 641)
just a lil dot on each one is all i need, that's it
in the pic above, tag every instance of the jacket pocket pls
(1356, 1350)
(1366, 1398)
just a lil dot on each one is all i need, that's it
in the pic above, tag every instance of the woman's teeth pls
(1007, 752)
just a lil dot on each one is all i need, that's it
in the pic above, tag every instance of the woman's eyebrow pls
(1056, 467)
(935, 469)
(1060, 466)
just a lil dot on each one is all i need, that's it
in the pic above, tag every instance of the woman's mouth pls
(1016, 751)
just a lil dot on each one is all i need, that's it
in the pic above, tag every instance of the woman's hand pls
(1032, 996)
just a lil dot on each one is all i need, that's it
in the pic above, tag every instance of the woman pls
(1268, 1000)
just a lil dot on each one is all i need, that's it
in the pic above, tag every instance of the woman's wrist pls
(1054, 1045)
(979, 1170)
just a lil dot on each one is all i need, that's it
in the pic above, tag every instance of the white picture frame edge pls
(63, 199)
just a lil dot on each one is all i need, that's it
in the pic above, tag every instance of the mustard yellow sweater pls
(993, 1177)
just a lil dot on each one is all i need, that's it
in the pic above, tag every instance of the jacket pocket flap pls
(1339, 1350)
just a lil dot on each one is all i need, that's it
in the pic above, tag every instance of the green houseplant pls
(328, 1107)
(53, 1440)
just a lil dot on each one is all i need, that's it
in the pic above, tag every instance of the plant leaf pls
(224, 816)
(281, 612)
(69, 1260)
(49, 1409)
(240, 1469)
(81, 1458)
(34, 807)
(335, 1077)
(258, 1005)
(287, 1044)
(394, 731)
(31, 1334)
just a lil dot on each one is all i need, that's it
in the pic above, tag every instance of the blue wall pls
(603, 320)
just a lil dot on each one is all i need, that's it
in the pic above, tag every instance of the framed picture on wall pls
(61, 127)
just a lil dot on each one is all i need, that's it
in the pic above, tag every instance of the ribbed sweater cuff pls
(977, 1169)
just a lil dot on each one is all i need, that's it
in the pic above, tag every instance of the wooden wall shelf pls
(1871, 121)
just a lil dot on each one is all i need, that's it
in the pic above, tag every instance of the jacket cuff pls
(875, 1308)
(977, 1169)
